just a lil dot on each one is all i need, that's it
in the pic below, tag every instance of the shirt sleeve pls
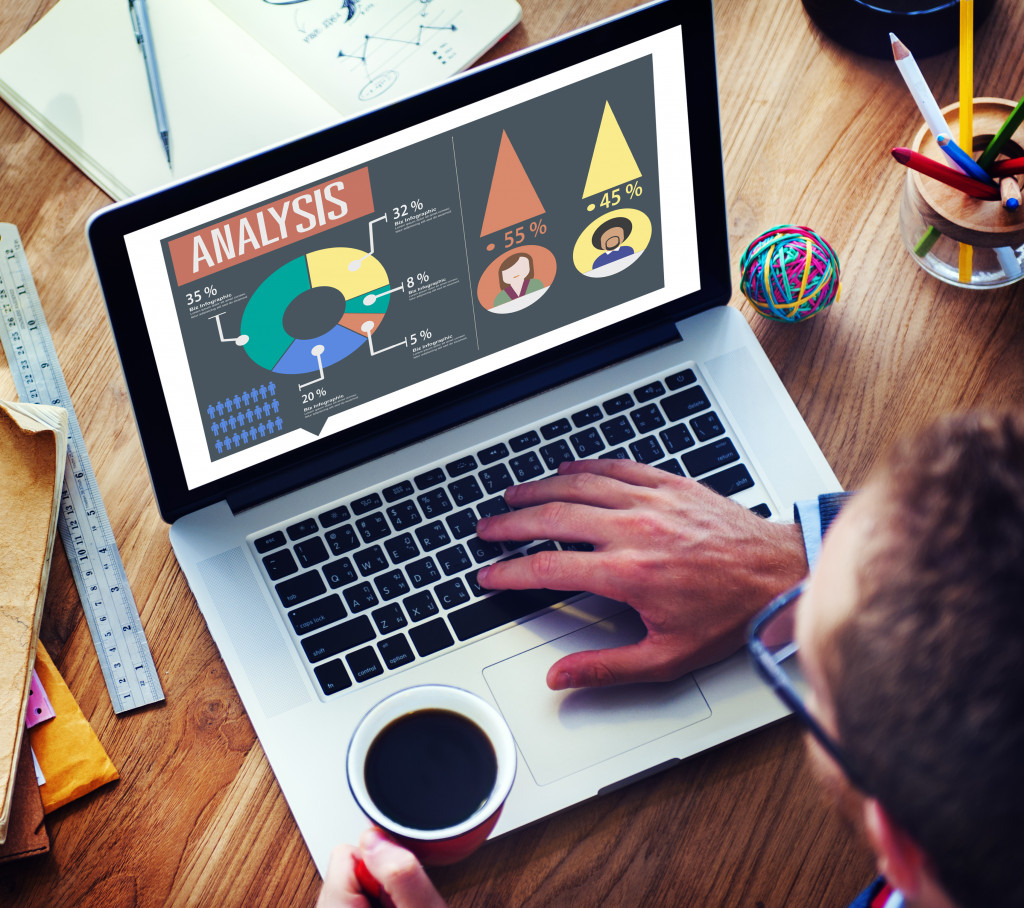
(815, 517)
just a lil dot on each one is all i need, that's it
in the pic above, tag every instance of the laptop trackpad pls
(562, 732)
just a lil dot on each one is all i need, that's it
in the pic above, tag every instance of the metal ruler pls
(84, 527)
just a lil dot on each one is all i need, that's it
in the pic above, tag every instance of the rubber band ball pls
(790, 274)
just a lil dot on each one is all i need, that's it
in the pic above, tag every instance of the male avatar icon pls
(610, 237)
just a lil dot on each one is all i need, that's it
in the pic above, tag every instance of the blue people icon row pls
(247, 398)
(235, 440)
(252, 415)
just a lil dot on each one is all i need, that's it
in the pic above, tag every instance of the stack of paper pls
(33, 451)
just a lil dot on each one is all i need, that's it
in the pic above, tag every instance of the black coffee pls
(430, 769)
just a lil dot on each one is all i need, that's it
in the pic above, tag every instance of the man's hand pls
(694, 565)
(403, 882)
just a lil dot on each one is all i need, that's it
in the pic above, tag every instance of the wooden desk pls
(197, 816)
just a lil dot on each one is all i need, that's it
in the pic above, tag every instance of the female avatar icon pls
(515, 276)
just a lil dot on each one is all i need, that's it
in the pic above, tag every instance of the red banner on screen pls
(271, 226)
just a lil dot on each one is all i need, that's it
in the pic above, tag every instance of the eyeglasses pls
(771, 642)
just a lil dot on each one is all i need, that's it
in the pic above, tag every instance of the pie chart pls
(357, 276)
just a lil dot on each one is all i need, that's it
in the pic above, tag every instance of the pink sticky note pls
(39, 708)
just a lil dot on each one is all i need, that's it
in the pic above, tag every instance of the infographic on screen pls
(420, 261)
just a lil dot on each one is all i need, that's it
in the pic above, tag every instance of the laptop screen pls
(307, 301)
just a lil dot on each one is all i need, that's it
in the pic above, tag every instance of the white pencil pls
(923, 97)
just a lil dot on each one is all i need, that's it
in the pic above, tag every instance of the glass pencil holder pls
(952, 235)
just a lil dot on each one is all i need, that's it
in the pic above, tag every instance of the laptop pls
(340, 352)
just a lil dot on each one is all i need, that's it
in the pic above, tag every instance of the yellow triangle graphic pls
(613, 163)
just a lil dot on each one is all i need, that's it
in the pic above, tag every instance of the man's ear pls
(900, 859)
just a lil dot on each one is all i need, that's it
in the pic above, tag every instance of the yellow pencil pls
(966, 111)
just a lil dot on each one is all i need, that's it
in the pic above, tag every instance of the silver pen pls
(144, 36)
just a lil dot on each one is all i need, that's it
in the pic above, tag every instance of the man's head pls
(911, 634)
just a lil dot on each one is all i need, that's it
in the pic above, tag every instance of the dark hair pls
(509, 262)
(625, 223)
(928, 672)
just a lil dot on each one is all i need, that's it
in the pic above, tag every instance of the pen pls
(962, 159)
(922, 95)
(932, 168)
(144, 36)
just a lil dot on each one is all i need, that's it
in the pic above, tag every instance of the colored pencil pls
(1009, 192)
(963, 160)
(1004, 132)
(966, 121)
(922, 95)
(938, 171)
(1007, 168)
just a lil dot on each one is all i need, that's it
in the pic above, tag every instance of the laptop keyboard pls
(379, 581)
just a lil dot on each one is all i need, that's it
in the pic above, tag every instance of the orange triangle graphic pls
(512, 198)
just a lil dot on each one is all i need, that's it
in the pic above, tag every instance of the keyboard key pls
(521, 442)
(546, 546)
(483, 551)
(391, 585)
(370, 561)
(670, 466)
(762, 510)
(360, 597)
(324, 611)
(586, 443)
(395, 651)
(618, 431)
(650, 391)
(453, 560)
(473, 582)
(311, 552)
(614, 454)
(465, 491)
(302, 529)
(556, 428)
(398, 491)
(404, 515)
(492, 507)
(430, 478)
(646, 450)
(271, 541)
(555, 453)
(729, 482)
(431, 637)
(461, 466)
(298, 589)
(496, 479)
(364, 664)
(373, 527)
(401, 548)
(389, 618)
(685, 403)
(462, 523)
(647, 419)
(493, 453)
(337, 639)
(707, 426)
(334, 516)
(332, 677)
(618, 404)
(279, 564)
(586, 417)
(525, 467)
(710, 457)
(434, 535)
(420, 605)
(452, 593)
(680, 380)
(435, 503)
(422, 572)
(339, 573)
(677, 438)
(366, 503)
(342, 540)
(502, 608)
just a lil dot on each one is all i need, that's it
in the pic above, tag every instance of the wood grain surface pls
(197, 818)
